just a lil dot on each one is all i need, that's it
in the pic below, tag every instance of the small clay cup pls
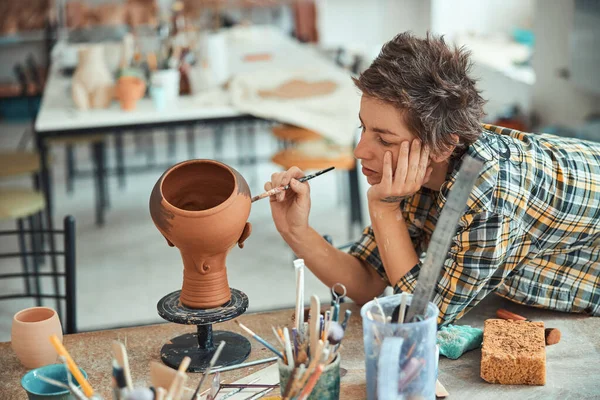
(30, 336)
(201, 207)
(129, 90)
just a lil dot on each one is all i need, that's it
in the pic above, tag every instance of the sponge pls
(455, 340)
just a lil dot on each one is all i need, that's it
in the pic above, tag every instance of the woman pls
(529, 231)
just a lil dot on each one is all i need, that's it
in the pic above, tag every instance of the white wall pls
(483, 17)
(556, 99)
(365, 25)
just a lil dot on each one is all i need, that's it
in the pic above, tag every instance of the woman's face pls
(383, 129)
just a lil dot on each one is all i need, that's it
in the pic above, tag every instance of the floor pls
(125, 267)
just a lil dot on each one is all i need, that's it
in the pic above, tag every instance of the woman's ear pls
(447, 152)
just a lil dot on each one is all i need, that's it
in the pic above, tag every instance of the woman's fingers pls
(402, 164)
(283, 179)
(387, 174)
(413, 162)
(422, 169)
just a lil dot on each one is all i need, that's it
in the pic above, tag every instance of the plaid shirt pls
(530, 231)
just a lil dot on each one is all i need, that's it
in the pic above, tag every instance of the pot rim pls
(201, 213)
(30, 309)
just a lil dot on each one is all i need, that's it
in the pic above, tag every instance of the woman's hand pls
(291, 207)
(412, 172)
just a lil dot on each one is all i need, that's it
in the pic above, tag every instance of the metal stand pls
(200, 346)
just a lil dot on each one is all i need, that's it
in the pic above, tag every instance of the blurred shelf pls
(23, 37)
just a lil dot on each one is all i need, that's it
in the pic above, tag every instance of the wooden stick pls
(440, 390)
(62, 351)
(311, 382)
(402, 312)
(315, 311)
(120, 354)
(288, 347)
(299, 265)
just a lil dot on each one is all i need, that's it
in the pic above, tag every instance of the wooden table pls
(91, 351)
(572, 365)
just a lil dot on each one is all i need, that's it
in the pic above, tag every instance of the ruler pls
(437, 252)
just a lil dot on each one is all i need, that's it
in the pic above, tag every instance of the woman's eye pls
(362, 128)
(383, 142)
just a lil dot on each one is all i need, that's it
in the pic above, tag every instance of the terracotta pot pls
(129, 90)
(30, 336)
(92, 84)
(201, 207)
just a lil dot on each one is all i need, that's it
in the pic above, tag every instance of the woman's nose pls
(361, 150)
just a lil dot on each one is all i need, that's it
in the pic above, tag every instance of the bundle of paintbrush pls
(309, 346)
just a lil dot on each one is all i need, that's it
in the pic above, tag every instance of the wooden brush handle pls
(505, 314)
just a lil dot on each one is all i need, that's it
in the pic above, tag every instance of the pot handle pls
(245, 234)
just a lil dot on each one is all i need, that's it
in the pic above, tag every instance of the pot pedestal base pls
(200, 346)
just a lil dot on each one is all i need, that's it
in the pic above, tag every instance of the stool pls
(293, 138)
(16, 163)
(21, 204)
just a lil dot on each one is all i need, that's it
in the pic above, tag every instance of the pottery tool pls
(244, 365)
(120, 354)
(282, 188)
(212, 363)
(179, 381)
(53, 382)
(335, 334)
(312, 381)
(261, 340)
(288, 348)
(234, 392)
(75, 391)
(402, 309)
(176, 387)
(160, 393)
(440, 390)
(299, 267)
(259, 394)
(337, 298)
(119, 382)
(277, 336)
(445, 229)
(315, 311)
(60, 349)
(346, 319)
(248, 385)
(552, 335)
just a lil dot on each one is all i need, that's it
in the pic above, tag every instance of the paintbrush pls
(212, 363)
(120, 354)
(280, 189)
(62, 351)
(261, 340)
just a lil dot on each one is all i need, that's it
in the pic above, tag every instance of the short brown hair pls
(430, 83)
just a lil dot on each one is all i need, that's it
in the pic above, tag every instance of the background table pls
(58, 118)
(571, 369)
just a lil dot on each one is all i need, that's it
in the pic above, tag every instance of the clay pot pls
(129, 90)
(201, 207)
(30, 336)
